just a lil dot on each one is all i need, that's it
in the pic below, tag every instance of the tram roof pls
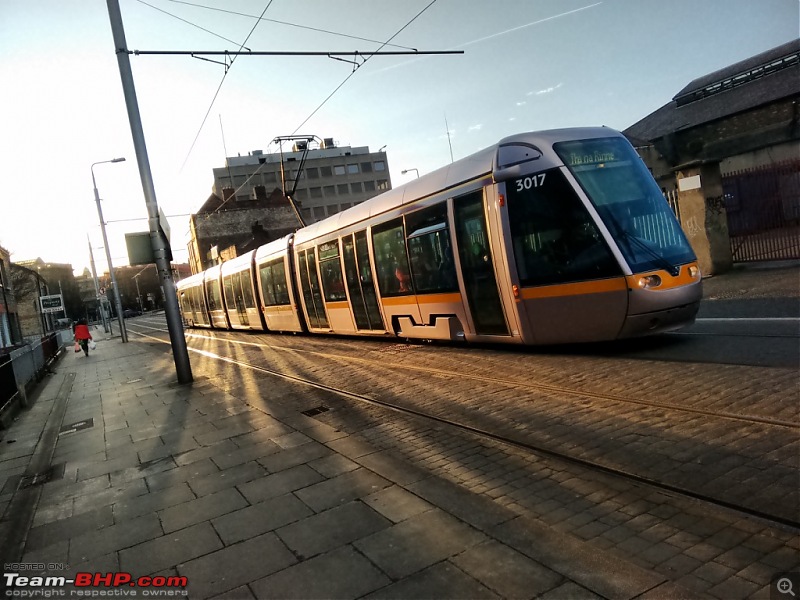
(240, 263)
(466, 169)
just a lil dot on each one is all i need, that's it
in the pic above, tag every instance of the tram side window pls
(273, 283)
(430, 251)
(199, 305)
(391, 261)
(230, 298)
(212, 293)
(185, 303)
(331, 270)
(189, 301)
(554, 237)
(247, 289)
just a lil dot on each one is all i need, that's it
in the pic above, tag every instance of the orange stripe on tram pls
(599, 286)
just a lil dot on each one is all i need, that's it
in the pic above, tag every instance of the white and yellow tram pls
(547, 237)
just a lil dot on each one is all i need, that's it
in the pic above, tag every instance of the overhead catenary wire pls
(346, 79)
(219, 87)
(185, 21)
(353, 72)
(262, 18)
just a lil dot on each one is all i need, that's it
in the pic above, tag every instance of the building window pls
(325, 172)
(319, 212)
(270, 177)
(355, 188)
(383, 184)
(333, 209)
(338, 170)
(366, 167)
(346, 205)
(369, 186)
(330, 191)
(352, 169)
(313, 172)
(301, 194)
(342, 189)
(316, 192)
(380, 165)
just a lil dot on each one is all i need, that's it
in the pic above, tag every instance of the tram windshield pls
(629, 202)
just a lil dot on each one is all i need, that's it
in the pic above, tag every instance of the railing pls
(23, 366)
(763, 207)
(672, 199)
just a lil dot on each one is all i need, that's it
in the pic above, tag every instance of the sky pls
(527, 65)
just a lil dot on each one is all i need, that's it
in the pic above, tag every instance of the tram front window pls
(555, 239)
(629, 202)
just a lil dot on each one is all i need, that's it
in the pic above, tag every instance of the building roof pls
(761, 79)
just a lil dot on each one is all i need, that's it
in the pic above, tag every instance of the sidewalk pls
(157, 479)
(116, 468)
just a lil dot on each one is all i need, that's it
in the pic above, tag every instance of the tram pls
(548, 237)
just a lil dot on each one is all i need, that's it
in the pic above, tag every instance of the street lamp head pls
(121, 159)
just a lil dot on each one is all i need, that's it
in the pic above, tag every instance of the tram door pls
(477, 268)
(360, 285)
(309, 282)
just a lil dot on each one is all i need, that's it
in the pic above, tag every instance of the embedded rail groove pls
(521, 384)
(534, 448)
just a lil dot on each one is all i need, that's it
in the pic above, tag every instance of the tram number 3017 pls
(534, 181)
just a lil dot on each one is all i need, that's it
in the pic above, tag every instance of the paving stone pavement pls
(159, 479)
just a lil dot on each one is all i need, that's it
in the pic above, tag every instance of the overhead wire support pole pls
(355, 53)
(158, 240)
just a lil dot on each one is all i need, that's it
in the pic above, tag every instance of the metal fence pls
(763, 207)
(23, 366)
(671, 197)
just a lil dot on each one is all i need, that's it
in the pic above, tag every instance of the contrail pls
(494, 35)
(488, 37)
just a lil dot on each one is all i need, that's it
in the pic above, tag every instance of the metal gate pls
(763, 206)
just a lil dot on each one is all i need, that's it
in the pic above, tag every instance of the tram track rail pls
(527, 446)
(516, 384)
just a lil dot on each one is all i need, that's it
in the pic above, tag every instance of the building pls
(746, 115)
(10, 334)
(29, 286)
(248, 208)
(734, 135)
(60, 279)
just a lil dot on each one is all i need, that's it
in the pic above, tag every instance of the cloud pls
(545, 90)
(521, 103)
(476, 127)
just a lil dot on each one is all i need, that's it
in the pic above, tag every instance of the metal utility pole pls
(106, 327)
(117, 299)
(158, 240)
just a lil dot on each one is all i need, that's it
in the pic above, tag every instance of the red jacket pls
(82, 332)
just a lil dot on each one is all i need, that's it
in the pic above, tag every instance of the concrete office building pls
(333, 178)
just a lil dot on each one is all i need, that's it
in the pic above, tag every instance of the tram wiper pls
(673, 270)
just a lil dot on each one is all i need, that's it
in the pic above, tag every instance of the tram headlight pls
(694, 271)
(649, 281)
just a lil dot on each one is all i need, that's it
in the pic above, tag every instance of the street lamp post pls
(404, 171)
(117, 299)
(106, 326)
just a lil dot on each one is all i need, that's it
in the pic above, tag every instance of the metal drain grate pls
(73, 427)
(315, 411)
(54, 473)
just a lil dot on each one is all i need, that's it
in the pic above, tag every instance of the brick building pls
(9, 319)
